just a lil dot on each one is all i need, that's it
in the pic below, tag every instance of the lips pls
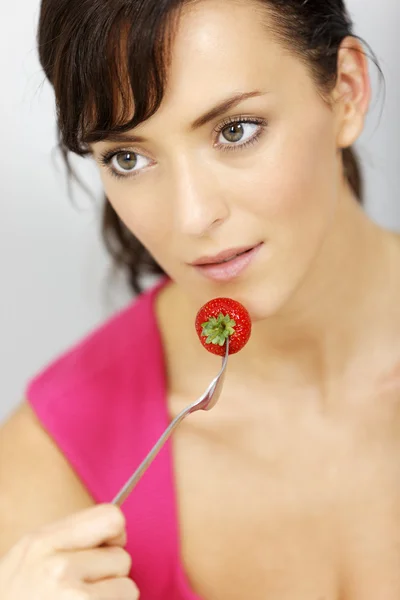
(227, 265)
(223, 257)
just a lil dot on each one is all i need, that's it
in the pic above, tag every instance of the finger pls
(117, 589)
(87, 529)
(90, 565)
(119, 540)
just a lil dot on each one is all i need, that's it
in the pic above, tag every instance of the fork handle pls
(201, 403)
(132, 482)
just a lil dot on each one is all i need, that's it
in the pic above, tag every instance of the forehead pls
(219, 43)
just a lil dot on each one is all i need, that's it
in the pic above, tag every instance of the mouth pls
(223, 257)
(227, 265)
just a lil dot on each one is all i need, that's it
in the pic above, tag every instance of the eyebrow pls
(223, 107)
(210, 115)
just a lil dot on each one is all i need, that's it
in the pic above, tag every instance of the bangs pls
(109, 66)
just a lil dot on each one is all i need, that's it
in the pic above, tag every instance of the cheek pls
(146, 219)
(295, 178)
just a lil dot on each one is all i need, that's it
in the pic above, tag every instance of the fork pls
(206, 402)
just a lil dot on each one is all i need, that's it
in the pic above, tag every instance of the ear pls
(352, 93)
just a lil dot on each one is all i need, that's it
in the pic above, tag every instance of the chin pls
(267, 302)
(262, 299)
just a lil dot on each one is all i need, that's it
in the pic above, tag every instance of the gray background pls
(54, 273)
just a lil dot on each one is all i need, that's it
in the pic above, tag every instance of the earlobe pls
(352, 91)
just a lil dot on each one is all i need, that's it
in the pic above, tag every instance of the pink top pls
(104, 404)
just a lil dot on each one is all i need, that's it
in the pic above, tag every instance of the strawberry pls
(222, 318)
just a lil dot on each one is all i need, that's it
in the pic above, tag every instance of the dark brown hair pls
(89, 49)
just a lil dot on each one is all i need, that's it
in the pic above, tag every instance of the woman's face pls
(262, 172)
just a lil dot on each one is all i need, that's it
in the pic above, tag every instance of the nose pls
(199, 202)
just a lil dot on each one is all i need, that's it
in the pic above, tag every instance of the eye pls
(238, 133)
(126, 162)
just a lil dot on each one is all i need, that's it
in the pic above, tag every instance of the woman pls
(219, 128)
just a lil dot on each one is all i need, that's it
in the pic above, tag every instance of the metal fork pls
(206, 402)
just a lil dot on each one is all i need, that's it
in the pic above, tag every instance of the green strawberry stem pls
(217, 330)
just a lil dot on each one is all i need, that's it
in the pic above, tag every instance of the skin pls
(289, 488)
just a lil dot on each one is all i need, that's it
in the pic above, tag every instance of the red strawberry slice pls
(222, 318)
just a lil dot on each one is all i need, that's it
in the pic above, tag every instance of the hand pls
(78, 558)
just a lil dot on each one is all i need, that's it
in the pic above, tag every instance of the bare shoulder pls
(37, 484)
